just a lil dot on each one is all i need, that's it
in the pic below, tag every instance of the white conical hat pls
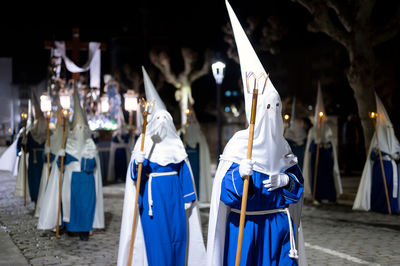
(79, 117)
(320, 130)
(271, 152)
(29, 120)
(151, 93)
(170, 149)
(37, 112)
(319, 106)
(388, 142)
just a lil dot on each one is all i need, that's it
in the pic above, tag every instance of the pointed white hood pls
(271, 152)
(162, 144)
(320, 131)
(388, 142)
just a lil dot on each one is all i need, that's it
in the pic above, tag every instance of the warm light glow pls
(65, 100)
(286, 116)
(105, 106)
(187, 111)
(65, 112)
(218, 71)
(373, 115)
(321, 114)
(45, 103)
(131, 102)
(9, 130)
(24, 116)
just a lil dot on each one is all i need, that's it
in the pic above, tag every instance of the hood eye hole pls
(268, 106)
(277, 104)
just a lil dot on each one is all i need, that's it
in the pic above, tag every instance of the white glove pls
(276, 181)
(396, 156)
(140, 156)
(61, 152)
(46, 149)
(246, 168)
(188, 205)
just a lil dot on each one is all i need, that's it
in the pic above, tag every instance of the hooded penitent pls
(371, 193)
(19, 162)
(199, 156)
(271, 155)
(82, 192)
(120, 151)
(296, 135)
(166, 233)
(35, 142)
(53, 149)
(329, 184)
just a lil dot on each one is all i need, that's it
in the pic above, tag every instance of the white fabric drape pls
(93, 64)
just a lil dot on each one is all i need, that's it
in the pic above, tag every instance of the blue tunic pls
(298, 150)
(165, 230)
(194, 159)
(35, 166)
(378, 194)
(325, 181)
(120, 160)
(83, 195)
(266, 239)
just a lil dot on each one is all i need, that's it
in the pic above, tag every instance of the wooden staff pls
(61, 176)
(249, 153)
(374, 115)
(48, 145)
(139, 175)
(24, 153)
(321, 114)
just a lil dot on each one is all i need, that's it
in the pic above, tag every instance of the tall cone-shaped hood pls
(388, 142)
(271, 152)
(79, 117)
(151, 93)
(37, 112)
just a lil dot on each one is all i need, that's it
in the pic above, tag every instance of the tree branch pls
(189, 57)
(323, 23)
(389, 31)
(161, 61)
(205, 68)
(343, 13)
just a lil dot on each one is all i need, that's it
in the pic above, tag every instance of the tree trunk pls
(361, 79)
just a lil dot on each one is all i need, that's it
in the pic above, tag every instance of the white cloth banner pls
(93, 64)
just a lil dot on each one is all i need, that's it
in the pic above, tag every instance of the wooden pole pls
(48, 145)
(139, 175)
(316, 160)
(24, 156)
(61, 179)
(383, 171)
(246, 178)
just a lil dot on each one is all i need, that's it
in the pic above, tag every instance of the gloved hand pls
(396, 156)
(140, 156)
(46, 149)
(276, 181)
(61, 152)
(246, 168)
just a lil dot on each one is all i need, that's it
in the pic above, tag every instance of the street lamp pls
(131, 105)
(218, 73)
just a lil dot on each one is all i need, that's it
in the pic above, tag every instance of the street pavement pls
(334, 234)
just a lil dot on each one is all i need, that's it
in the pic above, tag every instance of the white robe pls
(307, 171)
(48, 212)
(218, 216)
(196, 252)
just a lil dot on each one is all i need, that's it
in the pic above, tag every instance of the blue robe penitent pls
(162, 210)
(35, 164)
(83, 195)
(266, 238)
(194, 159)
(120, 160)
(325, 181)
(378, 194)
